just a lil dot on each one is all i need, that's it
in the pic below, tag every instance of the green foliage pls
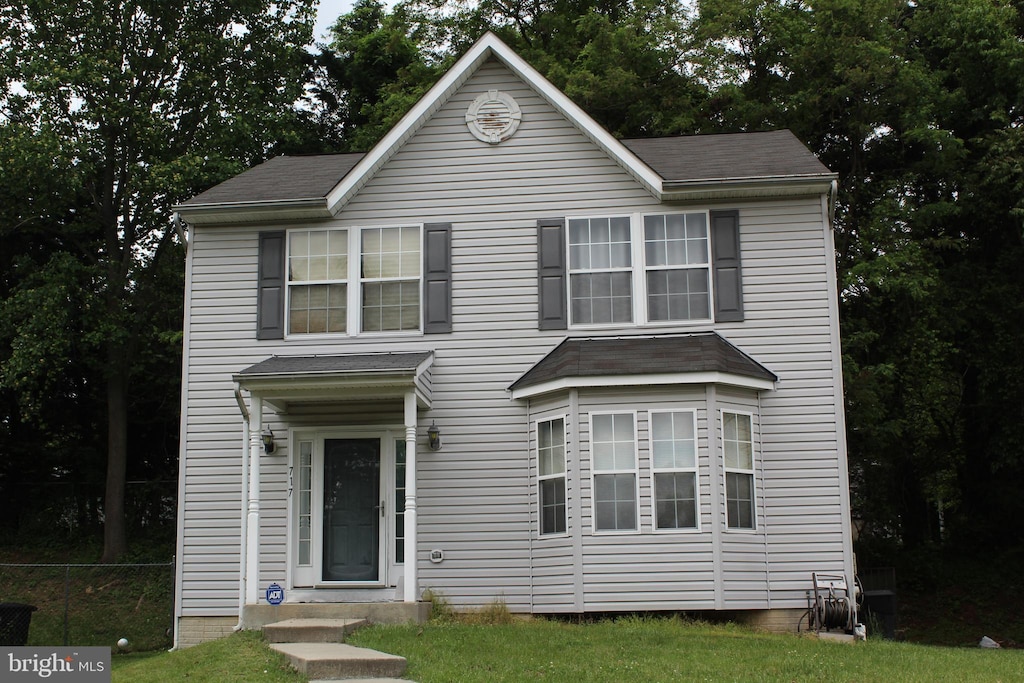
(110, 113)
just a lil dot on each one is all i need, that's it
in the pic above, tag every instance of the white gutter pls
(245, 504)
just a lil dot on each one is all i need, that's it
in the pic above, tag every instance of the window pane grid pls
(305, 493)
(738, 457)
(600, 270)
(391, 306)
(399, 501)
(317, 308)
(676, 249)
(613, 454)
(674, 466)
(551, 476)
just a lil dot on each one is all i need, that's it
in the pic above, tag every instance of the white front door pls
(345, 510)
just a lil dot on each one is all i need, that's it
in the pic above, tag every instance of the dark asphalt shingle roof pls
(282, 178)
(771, 154)
(616, 356)
(680, 158)
(327, 365)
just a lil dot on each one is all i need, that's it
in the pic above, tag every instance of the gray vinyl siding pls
(477, 496)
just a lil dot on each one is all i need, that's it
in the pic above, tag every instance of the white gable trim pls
(488, 46)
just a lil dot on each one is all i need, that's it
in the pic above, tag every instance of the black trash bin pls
(880, 608)
(14, 622)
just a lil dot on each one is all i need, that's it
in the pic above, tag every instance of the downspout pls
(245, 505)
(179, 229)
(833, 194)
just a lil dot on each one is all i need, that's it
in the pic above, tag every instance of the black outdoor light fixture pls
(268, 441)
(434, 437)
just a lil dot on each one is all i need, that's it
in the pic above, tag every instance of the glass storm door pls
(351, 510)
(348, 500)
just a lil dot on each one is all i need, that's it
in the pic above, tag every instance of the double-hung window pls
(674, 466)
(551, 475)
(614, 467)
(664, 258)
(318, 278)
(365, 279)
(678, 272)
(600, 270)
(738, 451)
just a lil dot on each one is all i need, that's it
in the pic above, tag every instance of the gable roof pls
(703, 357)
(786, 167)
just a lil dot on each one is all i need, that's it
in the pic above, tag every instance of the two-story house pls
(506, 356)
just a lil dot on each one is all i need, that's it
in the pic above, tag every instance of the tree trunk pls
(115, 539)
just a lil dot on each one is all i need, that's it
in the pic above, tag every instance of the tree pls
(141, 105)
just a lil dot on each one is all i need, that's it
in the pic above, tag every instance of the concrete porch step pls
(326, 661)
(311, 630)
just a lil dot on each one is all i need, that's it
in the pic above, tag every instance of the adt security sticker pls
(275, 594)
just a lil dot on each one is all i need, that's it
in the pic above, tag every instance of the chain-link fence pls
(91, 604)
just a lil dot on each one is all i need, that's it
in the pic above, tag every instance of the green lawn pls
(641, 650)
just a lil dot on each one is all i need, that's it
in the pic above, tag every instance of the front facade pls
(504, 356)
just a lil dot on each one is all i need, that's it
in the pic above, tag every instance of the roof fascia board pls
(785, 186)
(487, 46)
(236, 212)
(663, 379)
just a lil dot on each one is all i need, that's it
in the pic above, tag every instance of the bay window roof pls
(698, 358)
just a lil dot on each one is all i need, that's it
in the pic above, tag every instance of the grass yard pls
(627, 650)
(242, 657)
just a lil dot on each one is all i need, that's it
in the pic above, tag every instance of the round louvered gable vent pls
(493, 117)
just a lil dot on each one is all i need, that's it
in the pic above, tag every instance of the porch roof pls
(284, 381)
(699, 358)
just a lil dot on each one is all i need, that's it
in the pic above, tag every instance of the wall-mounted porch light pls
(434, 437)
(268, 441)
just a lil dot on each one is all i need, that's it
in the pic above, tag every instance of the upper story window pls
(600, 270)
(663, 257)
(317, 281)
(378, 291)
(677, 267)
(390, 279)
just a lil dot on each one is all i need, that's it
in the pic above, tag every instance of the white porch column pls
(252, 523)
(411, 587)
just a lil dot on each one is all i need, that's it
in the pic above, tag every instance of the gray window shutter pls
(270, 292)
(725, 265)
(551, 272)
(437, 278)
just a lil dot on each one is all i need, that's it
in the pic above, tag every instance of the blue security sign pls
(275, 594)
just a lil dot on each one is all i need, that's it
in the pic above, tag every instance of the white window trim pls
(726, 470)
(354, 282)
(635, 471)
(638, 260)
(659, 470)
(546, 477)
